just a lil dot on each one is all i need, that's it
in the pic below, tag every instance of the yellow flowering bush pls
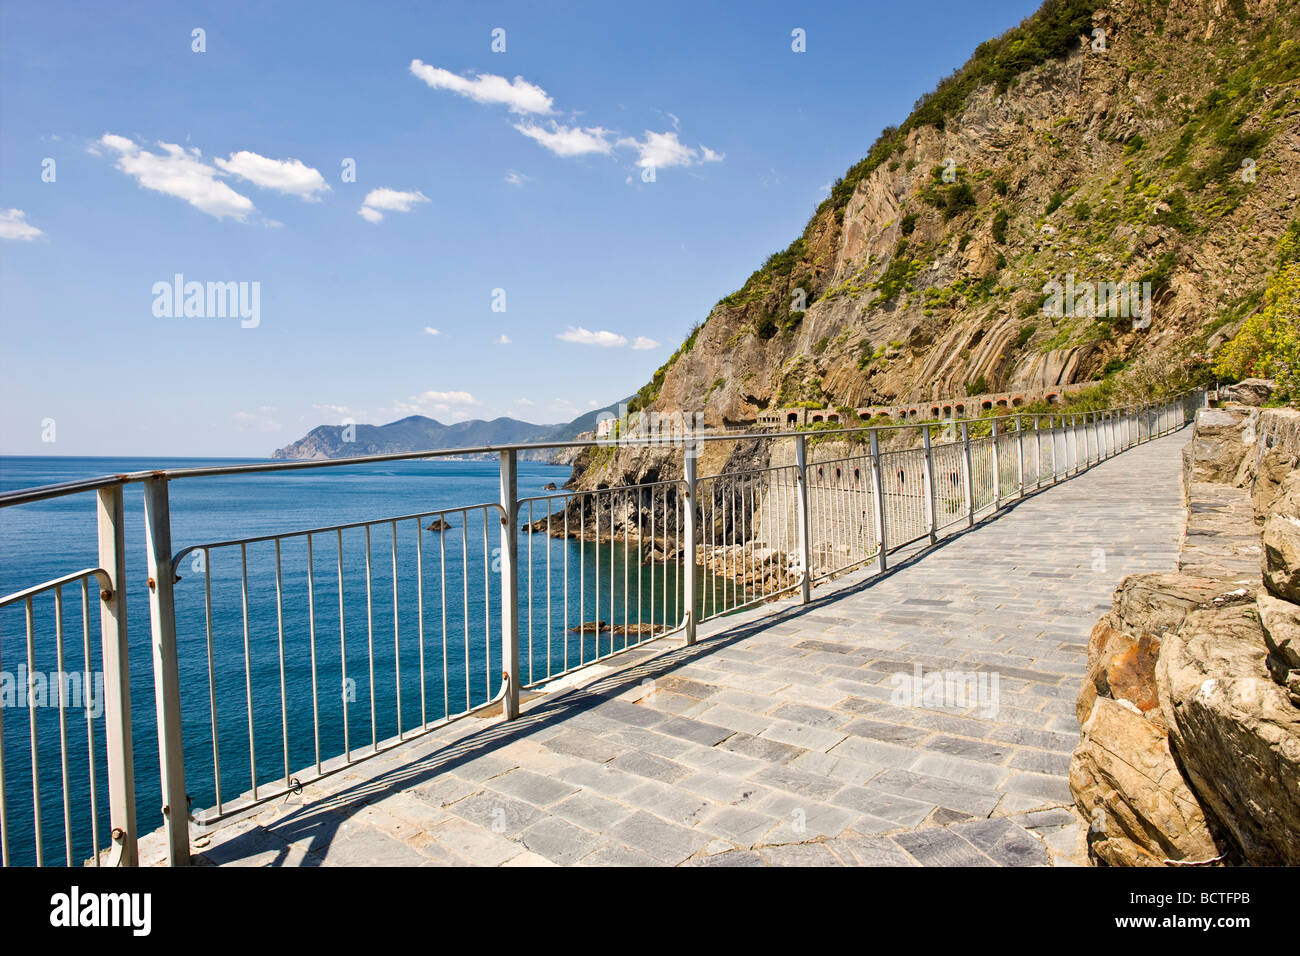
(1268, 344)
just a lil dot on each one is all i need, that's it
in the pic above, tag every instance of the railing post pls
(878, 502)
(801, 504)
(1020, 459)
(117, 676)
(1074, 442)
(1038, 454)
(691, 492)
(510, 583)
(969, 474)
(927, 484)
(997, 468)
(166, 673)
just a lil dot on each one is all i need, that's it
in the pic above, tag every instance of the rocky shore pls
(1190, 711)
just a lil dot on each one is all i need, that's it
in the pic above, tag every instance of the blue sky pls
(475, 171)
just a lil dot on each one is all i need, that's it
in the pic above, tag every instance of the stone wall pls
(1190, 712)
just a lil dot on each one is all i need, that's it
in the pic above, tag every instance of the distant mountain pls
(419, 433)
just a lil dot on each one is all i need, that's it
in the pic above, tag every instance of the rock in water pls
(438, 524)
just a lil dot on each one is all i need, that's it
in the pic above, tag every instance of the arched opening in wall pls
(986, 406)
(934, 412)
(833, 418)
(857, 475)
(961, 409)
(1017, 402)
(820, 474)
(947, 411)
(792, 419)
(1052, 398)
(837, 474)
(816, 418)
(1002, 403)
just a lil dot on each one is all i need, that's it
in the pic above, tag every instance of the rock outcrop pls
(1235, 731)
(1190, 711)
(922, 275)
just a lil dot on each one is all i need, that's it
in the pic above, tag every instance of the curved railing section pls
(282, 658)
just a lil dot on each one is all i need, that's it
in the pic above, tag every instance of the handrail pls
(752, 534)
(46, 492)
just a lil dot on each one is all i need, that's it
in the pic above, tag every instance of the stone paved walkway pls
(775, 740)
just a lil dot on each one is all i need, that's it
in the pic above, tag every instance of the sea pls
(292, 650)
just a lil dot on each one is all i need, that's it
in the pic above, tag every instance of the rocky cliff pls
(1190, 714)
(1125, 141)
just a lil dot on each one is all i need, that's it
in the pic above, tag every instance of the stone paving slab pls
(788, 736)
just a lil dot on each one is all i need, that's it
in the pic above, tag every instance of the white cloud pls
(333, 409)
(388, 200)
(502, 339)
(289, 176)
(260, 420)
(641, 343)
(569, 140)
(430, 330)
(585, 337)
(449, 398)
(14, 225)
(516, 179)
(563, 406)
(665, 150)
(525, 402)
(518, 94)
(455, 404)
(180, 173)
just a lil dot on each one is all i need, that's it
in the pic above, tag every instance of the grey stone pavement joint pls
(781, 738)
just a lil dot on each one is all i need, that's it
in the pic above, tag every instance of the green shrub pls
(1000, 227)
(1159, 273)
(1178, 215)
(1054, 203)
(960, 198)
(1268, 344)
(908, 224)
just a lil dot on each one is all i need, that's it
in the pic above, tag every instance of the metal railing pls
(279, 659)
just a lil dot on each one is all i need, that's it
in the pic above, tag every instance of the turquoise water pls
(421, 642)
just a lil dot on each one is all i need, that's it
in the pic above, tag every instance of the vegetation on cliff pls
(1128, 142)
(1268, 344)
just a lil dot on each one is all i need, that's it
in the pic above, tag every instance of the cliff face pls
(1190, 713)
(1165, 152)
